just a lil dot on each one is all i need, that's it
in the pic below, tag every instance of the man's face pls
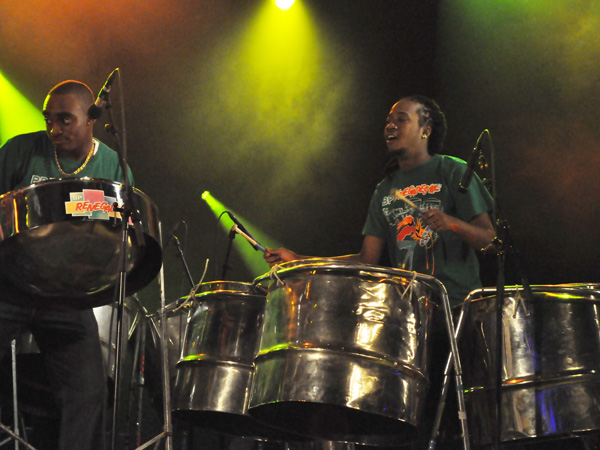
(403, 134)
(68, 125)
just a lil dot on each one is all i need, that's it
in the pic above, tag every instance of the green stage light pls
(284, 4)
(253, 259)
(17, 114)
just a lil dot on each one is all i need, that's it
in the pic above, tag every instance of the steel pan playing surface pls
(59, 241)
(344, 351)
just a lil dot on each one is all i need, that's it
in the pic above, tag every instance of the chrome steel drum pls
(214, 374)
(344, 351)
(551, 362)
(106, 316)
(60, 239)
(177, 314)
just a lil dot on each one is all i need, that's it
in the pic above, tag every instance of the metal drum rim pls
(334, 265)
(72, 179)
(583, 291)
(25, 199)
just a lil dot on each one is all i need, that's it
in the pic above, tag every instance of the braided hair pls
(430, 114)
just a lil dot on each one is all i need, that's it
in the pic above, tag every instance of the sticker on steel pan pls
(91, 203)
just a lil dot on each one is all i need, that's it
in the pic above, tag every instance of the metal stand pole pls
(141, 382)
(462, 414)
(13, 356)
(167, 433)
(446, 383)
(127, 212)
(15, 434)
(232, 234)
(137, 378)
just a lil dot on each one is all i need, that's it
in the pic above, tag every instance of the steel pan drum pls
(106, 316)
(215, 372)
(59, 240)
(344, 352)
(177, 314)
(551, 357)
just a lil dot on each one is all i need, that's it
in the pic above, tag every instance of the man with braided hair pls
(440, 237)
(427, 225)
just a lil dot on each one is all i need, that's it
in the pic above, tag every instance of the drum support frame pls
(453, 360)
(128, 212)
(167, 433)
(446, 385)
(14, 434)
(167, 423)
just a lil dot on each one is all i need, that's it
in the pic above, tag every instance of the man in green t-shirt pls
(427, 225)
(67, 338)
(441, 235)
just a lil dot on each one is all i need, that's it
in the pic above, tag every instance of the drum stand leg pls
(141, 381)
(167, 433)
(446, 382)
(137, 378)
(14, 434)
(462, 414)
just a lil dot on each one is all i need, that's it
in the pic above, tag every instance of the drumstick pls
(254, 244)
(409, 203)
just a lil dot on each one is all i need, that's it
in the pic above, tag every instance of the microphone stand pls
(188, 432)
(183, 261)
(504, 243)
(128, 212)
(506, 246)
(226, 265)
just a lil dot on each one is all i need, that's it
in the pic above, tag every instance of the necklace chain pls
(60, 169)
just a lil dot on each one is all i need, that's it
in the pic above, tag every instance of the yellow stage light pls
(284, 4)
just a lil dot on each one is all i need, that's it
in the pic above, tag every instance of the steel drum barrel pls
(61, 240)
(551, 357)
(176, 317)
(344, 352)
(215, 372)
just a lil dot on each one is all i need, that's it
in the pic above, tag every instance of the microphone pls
(245, 233)
(465, 181)
(171, 236)
(95, 110)
(253, 243)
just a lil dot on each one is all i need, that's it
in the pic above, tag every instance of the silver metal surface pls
(58, 242)
(551, 362)
(344, 351)
(215, 372)
(176, 316)
(106, 316)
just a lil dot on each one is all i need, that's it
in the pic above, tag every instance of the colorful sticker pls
(91, 203)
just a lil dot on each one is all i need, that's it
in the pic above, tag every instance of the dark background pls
(299, 163)
(302, 176)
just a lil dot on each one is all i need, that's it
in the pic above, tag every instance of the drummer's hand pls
(438, 221)
(279, 256)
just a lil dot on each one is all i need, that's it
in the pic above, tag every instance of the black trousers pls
(71, 353)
